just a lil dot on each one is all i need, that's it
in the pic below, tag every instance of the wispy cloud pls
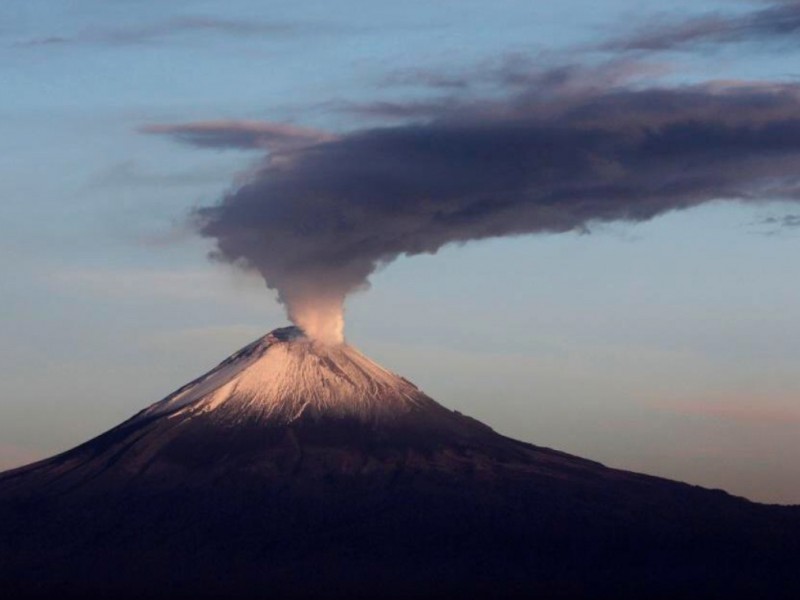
(428, 78)
(551, 73)
(52, 40)
(778, 22)
(786, 221)
(491, 83)
(243, 135)
(171, 28)
(776, 225)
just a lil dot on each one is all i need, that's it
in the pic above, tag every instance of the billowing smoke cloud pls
(318, 218)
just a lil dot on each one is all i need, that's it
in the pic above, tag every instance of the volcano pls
(300, 469)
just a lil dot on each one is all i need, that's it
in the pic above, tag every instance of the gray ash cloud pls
(323, 212)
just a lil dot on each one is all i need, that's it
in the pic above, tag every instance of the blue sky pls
(668, 347)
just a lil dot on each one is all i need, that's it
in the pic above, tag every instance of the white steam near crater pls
(320, 317)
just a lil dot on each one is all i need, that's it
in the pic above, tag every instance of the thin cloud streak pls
(170, 28)
(551, 74)
(777, 225)
(559, 82)
(242, 135)
(786, 221)
(779, 22)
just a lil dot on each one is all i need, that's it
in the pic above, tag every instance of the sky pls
(656, 329)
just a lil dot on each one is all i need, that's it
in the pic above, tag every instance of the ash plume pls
(318, 217)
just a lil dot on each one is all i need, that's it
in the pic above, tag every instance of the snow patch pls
(284, 375)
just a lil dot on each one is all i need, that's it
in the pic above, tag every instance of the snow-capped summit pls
(285, 377)
(282, 391)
